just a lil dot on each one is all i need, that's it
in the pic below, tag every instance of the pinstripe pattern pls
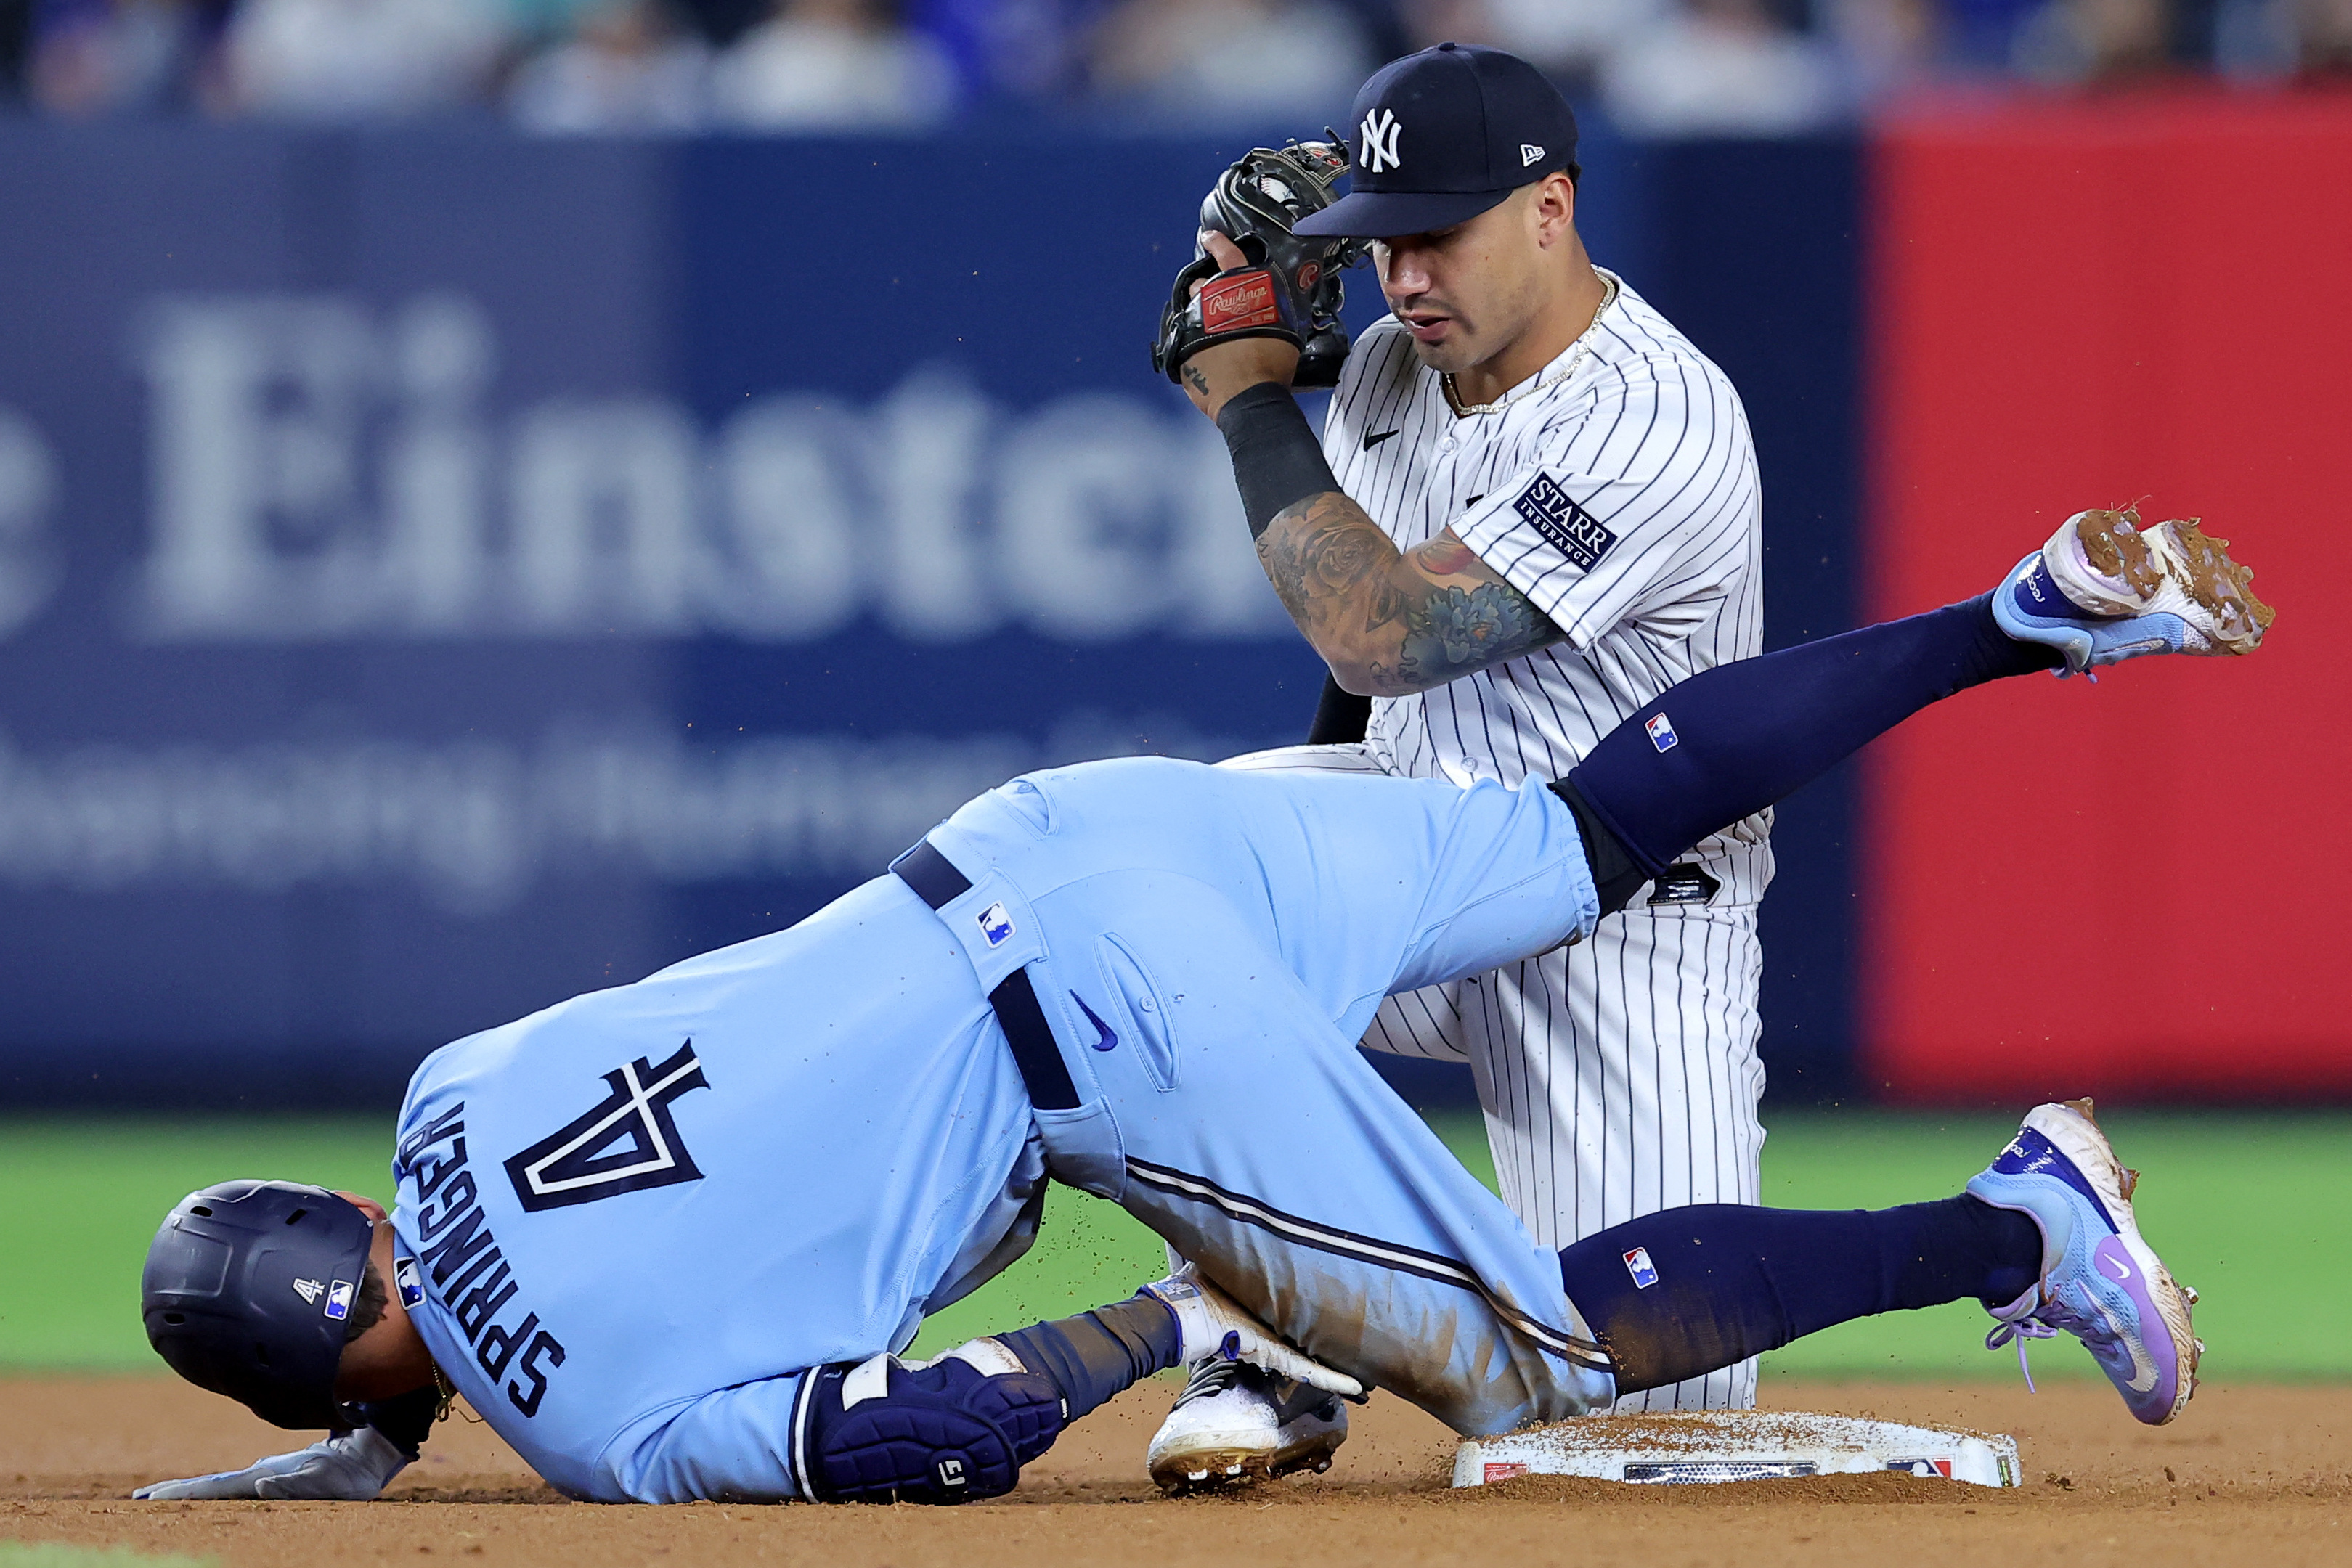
(1619, 1076)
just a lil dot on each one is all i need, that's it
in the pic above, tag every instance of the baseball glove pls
(1290, 289)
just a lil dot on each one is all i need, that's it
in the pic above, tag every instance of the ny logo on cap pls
(1381, 141)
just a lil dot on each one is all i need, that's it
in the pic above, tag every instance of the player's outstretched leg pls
(1732, 740)
(2044, 1239)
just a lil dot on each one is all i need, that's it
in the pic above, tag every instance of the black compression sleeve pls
(1278, 461)
(1341, 716)
(1098, 1354)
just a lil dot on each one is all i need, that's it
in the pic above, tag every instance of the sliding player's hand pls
(350, 1466)
(1212, 1323)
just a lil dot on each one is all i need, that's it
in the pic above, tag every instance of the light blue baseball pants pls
(1208, 946)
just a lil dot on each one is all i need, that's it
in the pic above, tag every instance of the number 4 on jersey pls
(624, 1142)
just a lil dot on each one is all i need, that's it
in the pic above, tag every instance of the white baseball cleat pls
(2104, 589)
(1235, 1423)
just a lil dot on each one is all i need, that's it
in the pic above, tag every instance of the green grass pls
(2253, 1209)
(79, 1200)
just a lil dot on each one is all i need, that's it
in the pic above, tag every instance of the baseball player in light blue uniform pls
(665, 1238)
(785, 1154)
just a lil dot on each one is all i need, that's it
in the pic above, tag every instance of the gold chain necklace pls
(1576, 356)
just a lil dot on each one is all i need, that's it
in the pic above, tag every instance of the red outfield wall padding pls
(2138, 887)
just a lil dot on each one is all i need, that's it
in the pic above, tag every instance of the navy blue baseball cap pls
(1442, 136)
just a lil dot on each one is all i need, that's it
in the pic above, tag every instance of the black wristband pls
(1277, 461)
(406, 1419)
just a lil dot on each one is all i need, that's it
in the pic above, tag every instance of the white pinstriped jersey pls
(1619, 493)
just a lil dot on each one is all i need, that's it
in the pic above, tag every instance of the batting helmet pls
(246, 1292)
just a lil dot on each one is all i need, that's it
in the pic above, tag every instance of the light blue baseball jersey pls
(629, 1223)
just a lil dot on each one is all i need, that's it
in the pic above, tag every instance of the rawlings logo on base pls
(1245, 299)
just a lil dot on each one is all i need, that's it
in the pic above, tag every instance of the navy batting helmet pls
(247, 1290)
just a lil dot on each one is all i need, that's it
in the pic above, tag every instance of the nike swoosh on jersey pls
(1108, 1036)
(1371, 440)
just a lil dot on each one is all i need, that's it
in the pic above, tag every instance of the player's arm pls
(342, 1467)
(1389, 623)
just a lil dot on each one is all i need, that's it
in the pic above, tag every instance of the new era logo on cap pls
(1528, 153)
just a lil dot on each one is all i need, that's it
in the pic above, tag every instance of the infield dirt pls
(2250, 1474)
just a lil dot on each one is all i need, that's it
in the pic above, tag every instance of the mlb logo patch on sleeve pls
(995, 924)
(1565, 526)
(1637, 1263)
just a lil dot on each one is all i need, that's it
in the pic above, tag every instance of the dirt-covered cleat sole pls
(2198, 567)
(1235, 1423)
(2102, 564)
(2104, 589)
(2101, 1281)
(1214, 1470)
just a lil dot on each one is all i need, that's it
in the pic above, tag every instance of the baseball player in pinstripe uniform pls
(1552, 513)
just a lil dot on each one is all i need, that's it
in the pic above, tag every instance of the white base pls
(1733, 1446)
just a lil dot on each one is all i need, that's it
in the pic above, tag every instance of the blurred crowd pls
(585, 66)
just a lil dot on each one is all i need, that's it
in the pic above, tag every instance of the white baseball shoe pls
(2104, 589)
(1235, 1423)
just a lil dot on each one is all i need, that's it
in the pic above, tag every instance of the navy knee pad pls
(881, 1432)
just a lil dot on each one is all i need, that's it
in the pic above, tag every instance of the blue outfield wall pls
(442, 572)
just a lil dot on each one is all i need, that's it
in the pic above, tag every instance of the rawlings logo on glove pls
(1290, 289)
(1239, 299)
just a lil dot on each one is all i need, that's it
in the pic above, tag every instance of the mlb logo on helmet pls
(1661, 731)
(1442, 136)
(995, 924)
(1637, 1263)
(339, 1300)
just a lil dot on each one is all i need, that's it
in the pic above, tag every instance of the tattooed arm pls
(1389, 624)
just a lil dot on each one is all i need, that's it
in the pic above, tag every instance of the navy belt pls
(938, 882)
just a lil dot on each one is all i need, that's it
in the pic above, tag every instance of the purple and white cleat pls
(2100, 1282)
